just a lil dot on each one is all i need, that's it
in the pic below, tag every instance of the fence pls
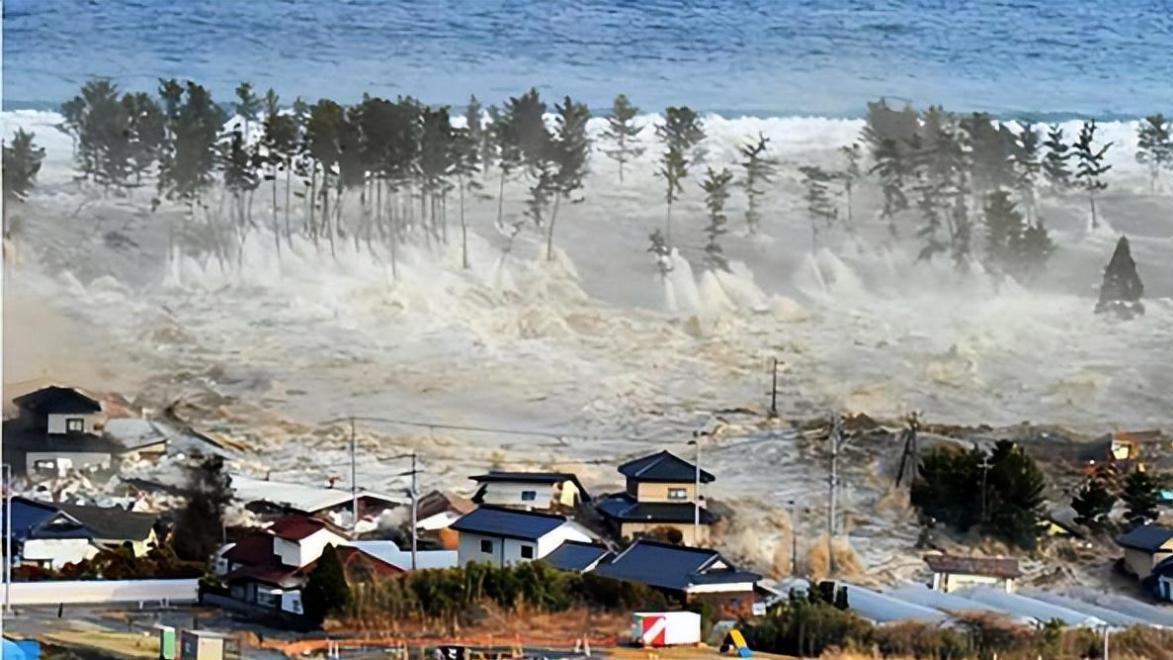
(102, 591)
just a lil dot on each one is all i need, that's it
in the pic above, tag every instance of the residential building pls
(60, 410)
(276, 499)
(661, 495)
(953, 572)
(435, 513)
(1164, 584)
(57, 430)
(51, 535)
(578, 557)
(1145, 547)
(502, 537)
(113, 527)
(532, 491)
(689, 574)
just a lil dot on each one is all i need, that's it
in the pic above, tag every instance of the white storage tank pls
(666, 628)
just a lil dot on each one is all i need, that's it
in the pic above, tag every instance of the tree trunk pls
(313, 184)
(850, 213)
(288, 181)
(463, 228)
(550, 232)
(276, 223)
(668, 224)
(329, 227)
(1095, 221)
(501, 198)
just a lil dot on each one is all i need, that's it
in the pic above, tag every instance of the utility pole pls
(7, 471)
(985, 466)
(414, 511)
(794, 538)
(696, 505)
(774, 391)
(833, 485)
(353, 485)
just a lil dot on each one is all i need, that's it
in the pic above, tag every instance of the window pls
(678, 493)
(527, 552)
(486, 546)
(74, 425)
(529, 495)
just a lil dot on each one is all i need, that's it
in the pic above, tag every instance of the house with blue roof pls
(578, 557)
(688, 574)
(661, 494)
(503, 537)
(1145, 547)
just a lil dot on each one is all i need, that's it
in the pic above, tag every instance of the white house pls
(952, 572)
(503, 537)
(299, 541)
(532, 491)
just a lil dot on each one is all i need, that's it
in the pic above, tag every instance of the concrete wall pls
(102, 591)
(630, 530)
(658, 492)
(91, 423)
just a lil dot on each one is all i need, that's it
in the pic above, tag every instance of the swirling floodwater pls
(757, 57)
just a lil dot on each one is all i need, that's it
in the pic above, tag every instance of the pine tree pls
(436, 164)
(1005, 227)
(990, 155)
(716, 187)
(474, 123)
(760, 169)
(247, 106)
(660, 251)
(21, 162)
(278, 141)
(623, 133)
(1155, 145)
(194, 122)
(892, 168)
(324, 140)
(1027, 166)
(820, 209)
(101, 124)
(199, 527)
(569, 148)
(326, 592)
(852, 173)
(681, 133)
(1122, 288)
(1014, 495)
(1091, 166)
(466, 167)
(1093, 503)
(1141, 494)
(1055, 167)
(1034, 251)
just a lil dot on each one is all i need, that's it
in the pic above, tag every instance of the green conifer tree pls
(623, 132)
(716, 187)
(851, 175)
(21, 162)
(1141, 492)
(327, 591)
(247, 106)
(1091, 166)
(760, 170)
(1055, 168)
(1093, 503)
(819, 206)
(569, 149)
(1122, 288)
(681, 133)
(1155, 145)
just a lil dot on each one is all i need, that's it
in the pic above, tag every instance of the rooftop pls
(253, 550)
(296, 528)
(577, 556)
(1000, 567)
(623, 507)
(664, 467)
(672, 566)
(55, 399)
(298, 497)
(113, 523)
(1146, 538)
(424, 559)
(507, 523)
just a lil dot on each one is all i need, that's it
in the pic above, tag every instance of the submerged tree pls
(889, 134)
(1092, 504)
(1121, 289)
(1141, 493)
(1091, 166)
(1155, 145)
(465, 167)
(247, 106)
(851, 175)
(680, 133)
(623, 132)
(279, 143)
(1027, 166)
(819, 207)
(760, 170)
(569, 149)
(189, 156)
(716, 187)
(1014, 246)
(199, 527)
(1055, 167)
(22, 161)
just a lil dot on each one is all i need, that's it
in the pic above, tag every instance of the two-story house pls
(532, 491)
(661, 494)
(58, 429)
(502, 537)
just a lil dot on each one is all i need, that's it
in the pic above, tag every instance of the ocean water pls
(756, 57)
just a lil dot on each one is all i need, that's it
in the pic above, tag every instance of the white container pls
(666, 628)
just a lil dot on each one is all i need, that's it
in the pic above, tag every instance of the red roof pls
(253, 550)
(296, 528)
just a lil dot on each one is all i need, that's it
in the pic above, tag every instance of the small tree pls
(326, 592)
(716, 187)
(247, 106)
(852, 173)
(1155, 145)
(199, 529)
(681, 133)
(1055, 168)
(1027, 166)
(1141, 493)
(622, 132)
(1091, 167)
(569, 149)
(819, 208)
(1092, 504)
(22, 162)
(1121, 289)
(760, 170)
(892, 166)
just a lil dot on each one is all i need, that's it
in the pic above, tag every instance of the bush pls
(807, 626)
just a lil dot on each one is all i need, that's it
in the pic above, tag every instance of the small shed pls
(953, 572)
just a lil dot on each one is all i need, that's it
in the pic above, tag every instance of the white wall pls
(77, 460)
(568, 531)
(90, 423)
(102, 591)
(300, 553)
(57, 551)
(505, 493)
(508, 551)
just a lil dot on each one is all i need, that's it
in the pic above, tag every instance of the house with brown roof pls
(661, 494)
(955, 572)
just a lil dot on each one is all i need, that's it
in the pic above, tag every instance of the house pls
(689, 574)
(44, 536)
(57, 429)
(953, 572)
(390, 553)
(113, 527)
(1164, 583)
(661, 494)
(502, 537)
(1145, 547)
(277, 498)
(579, 557)
(435, 513)
(532, 491)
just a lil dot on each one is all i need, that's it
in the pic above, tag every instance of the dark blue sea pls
(828, 57)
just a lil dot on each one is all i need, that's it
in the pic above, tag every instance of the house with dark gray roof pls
(577, 556)
(112, 527)
(502, 536)
(689, 574)
(52, 535)
(1145, 547)
(661, 496)
(57, 429)
(532, 491)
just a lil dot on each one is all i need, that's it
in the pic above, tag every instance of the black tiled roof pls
(623, 507)
(57, 400)
(507, 523)
(113, 522)
(670, 566)
(1146, 538)
(576, 556)
(663, 467)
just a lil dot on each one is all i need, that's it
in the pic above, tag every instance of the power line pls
(555, 435)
